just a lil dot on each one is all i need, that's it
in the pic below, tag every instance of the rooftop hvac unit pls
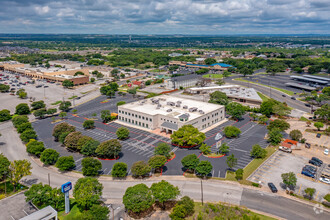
(193, 109)
(169, 110)
(159, 105)
(201, 111)
(184, 107)
(178, 102)
(177, 105)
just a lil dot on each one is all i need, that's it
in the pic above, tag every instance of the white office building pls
(169, 113)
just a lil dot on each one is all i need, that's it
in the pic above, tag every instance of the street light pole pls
(202, 191)
(113, 211)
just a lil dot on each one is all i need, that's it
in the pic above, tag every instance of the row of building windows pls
(211, 123)
(163, 119)
(135, 115)
(213, 115)
(128, 120)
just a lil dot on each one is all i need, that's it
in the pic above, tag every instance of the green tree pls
(232, 131)
(65, 163)
(295, 135)
(35, 147)
(23, 127)
(71, 140)
(205, 149)
(62, 115)
(281, 109)
(204, 168)
(163, 149)
(96, 212)
(279, 124)
(119, 169)
(49, 156)
(62, 128)
(109, 149)
(87, 192)
(190, 162)
(138, 198)
(157, 161)
(4, 88)
(4, 167)
(140, 169)
(179, 212)
(224, 149)
(64, 106)
(105, 116)
(121, 103)
(19, 119)
(89, 148)
(289, 179)
(27, 135)
(218, 97)
(231, 161)
(209, 61)
(40, 113)
(62, 137)
(275, 136)
(74, 111)
(38, 105)
(188, 136)
(323, 113)
(92, 79)
(163, 191)
(18, 170)
(111, 93)
(22, 109)
(258, 152)
(91, 166)
(310, 192)
(266, 107)
(5, 115)
(318, 125)
(88, 124)
(245, 71)
(236, 110)
(239, 174)
(67, 83)
(44, 195)
(122, 133)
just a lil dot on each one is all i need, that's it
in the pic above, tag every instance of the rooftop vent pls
(184, 107)
(193, 109)
(201, 111)
(177, 105)
(169, 110)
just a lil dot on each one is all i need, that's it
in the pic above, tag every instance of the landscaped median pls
(278, 89)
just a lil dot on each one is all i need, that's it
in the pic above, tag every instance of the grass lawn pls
(56, 103)
(73, 97)
(223, 211)
(279, 89)
(262, 96)
(216, 75)
(10, 189)
(73, 214)
(303, 119)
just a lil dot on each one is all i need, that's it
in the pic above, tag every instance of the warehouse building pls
(183, 81)
(169, 113)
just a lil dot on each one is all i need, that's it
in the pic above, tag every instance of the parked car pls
(326, 152)
(285, 149)
(311, 167)
(272, 187)
(315, 163)
(283, 95)
(308, 145)
(293, 98)
(46, 86)
(308, 169)
(308, 105)
(317, 159)
(325, 180)
(38, 86)
(306, 173)
(318, 135)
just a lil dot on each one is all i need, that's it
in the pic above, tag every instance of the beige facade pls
(169, 113)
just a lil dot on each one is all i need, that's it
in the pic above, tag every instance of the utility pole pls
(49, 179)
(202, 191)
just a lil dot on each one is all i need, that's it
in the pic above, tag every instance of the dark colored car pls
(293, 98)
(318, 135)
(306, 173)
(308, 145)
(317, 160)
(315, 163)
(272, 187)
(283, 95)
(308, 105)
(309, 170)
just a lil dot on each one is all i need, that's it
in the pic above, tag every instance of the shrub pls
(19, 119)
(22, 109)
(190, 162)
(83, 140)
(49, 156)
(38, 105)
(255, 184)
(89, 147)
(121, 103)
(91, 166)
(258, 152)
(35, 147)
(157, 161)
(27, 135)
(65, 163)
(232, 131)
(122, 133)
(239, 174)
(163, 149)
(5, 115)
(61, 128)
(327, 197)
(109, 149)
(88, 124)
(71, 141)
(22, 127)
(119, 169)
(62, 136)
(138, 198)
(178, 212)
(140, 168)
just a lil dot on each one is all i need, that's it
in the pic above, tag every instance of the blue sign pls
(66, 187)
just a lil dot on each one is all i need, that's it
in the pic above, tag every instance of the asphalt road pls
(213, 190)
(273, 93)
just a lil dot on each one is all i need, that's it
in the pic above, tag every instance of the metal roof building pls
(317, 77)
(310, 80)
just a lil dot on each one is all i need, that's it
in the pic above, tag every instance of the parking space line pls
(219, 173)
(109, 172)
(213, 173)
(299, 189)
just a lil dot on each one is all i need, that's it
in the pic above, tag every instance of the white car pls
(325, 180)
(326, 151)
(285, 149)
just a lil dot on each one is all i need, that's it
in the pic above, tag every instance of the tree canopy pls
(138, 198)
(163, 191)
(190, 162)
(87, 192)
(218, 97)
(187, 136)
(236, 110)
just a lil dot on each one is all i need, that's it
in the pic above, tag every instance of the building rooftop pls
(317, 77)
(300, 86)
(186, 77)
(172, 106)
(309, 79)
(221, 64)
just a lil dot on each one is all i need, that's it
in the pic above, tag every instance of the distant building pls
(47, 213)
(183, 81)
(215, 66)
(169, 113)
(66, 64)
(175, 54)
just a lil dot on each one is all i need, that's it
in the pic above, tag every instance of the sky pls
(165, 16)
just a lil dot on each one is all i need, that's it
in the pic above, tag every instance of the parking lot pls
(281, 162)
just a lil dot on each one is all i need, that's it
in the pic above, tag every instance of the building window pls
(139, 123)
(150, 119)
(119, 111)
(129, 120)
(142, 124)
(147, 119)
(139, 116)
(147, 126)
(143, 118)
(129, 114)
(133, 121)
(135, 115)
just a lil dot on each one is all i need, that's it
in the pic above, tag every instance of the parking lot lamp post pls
(113, 211)
(202, 191)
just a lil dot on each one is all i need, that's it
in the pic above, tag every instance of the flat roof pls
(186, 77)
(300, 86)
(309, 79)
(45, 213)
(148, 107)
(213, 87)
(221, 64)
(317, 77)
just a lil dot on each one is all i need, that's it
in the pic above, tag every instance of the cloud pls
(165, 16)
